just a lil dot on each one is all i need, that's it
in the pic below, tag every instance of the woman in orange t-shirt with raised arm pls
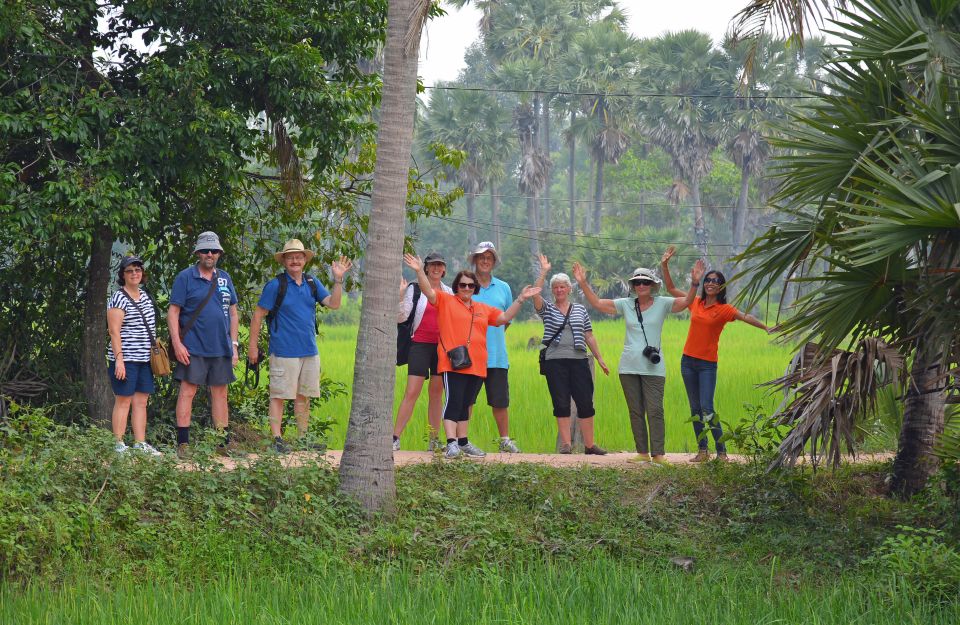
(709, 313)
(463, 322)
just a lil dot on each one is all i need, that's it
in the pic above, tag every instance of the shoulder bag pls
(460, 356)
(548, 344)
(193, 318)
(405, 330)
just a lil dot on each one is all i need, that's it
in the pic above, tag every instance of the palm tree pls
(682, 66)
(366, 470)
(870, 180)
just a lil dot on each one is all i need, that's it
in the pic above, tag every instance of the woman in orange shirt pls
(463, 323)
(709, 313)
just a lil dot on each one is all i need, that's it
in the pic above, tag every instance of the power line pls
(639, 204)
(706, 96)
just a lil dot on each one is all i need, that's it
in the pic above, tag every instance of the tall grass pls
(747, 358)
(596, 591)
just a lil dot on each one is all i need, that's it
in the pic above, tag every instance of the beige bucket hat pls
(293, 245)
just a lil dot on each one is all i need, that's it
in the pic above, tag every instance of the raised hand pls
(528, 292)
(341, 267)
(544, 265)
(579, 273)
(699, 268)
(668, 254)
(413, 262)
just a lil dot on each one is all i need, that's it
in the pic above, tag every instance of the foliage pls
(920, 562)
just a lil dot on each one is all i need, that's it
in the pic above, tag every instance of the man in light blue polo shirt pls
(497, 293)
(203, 332)
(294, 359)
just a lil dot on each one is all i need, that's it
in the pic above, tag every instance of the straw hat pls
(293, 245)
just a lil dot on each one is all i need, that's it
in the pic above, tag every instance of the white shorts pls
(290, 377)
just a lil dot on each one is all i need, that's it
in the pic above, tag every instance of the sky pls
(447, 37)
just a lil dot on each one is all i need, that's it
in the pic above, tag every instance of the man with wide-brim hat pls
(289, 304)
(204, 326)
(497, 293)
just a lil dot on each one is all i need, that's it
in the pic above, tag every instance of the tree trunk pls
(545, 136)
(366, 469)
(571, 178)
(740, 211)
(495, 215)
(533, 216)
(923, 422)
(472, 229)
(699, 225)
(96, 383)
(598, 196)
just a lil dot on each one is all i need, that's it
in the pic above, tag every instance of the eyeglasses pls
(214, 252)
(133, 270)
(642, 282)
(712, 281)
(465, 285)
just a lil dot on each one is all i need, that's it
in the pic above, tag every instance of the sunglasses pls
(642, 282)
(214, 252)
(712, 281)
(466, 285)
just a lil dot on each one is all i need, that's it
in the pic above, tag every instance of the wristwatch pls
(236, 344)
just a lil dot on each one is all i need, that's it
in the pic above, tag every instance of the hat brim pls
(279, 255)
(496, 257)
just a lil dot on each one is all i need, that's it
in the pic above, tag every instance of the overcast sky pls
(446, 38)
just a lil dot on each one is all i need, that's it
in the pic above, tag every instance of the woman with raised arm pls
(567, 333)
(422, 362)
(642, 371)
(462, 352)
(709, 314)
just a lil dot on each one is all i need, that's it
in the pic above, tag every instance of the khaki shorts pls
(290, 377)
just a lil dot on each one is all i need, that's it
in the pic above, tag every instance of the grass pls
(595, 591)
(747, 358)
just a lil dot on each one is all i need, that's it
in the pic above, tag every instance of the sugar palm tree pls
(871, 184)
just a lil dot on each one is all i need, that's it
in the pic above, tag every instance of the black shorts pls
(422, 360)
(206, 371)
(497, 386)
(566, 378)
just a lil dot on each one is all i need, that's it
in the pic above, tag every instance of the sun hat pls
(434, 257)
(642, 273)
(126, 261)
(207, 241)
(484, 246)
(293, 245)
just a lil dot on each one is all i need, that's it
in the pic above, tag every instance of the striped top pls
(579, 323)
(134, 337)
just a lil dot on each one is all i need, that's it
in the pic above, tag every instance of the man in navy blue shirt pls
(294, 359)
(203, 331)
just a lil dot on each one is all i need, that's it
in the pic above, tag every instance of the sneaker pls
(702, 456)
(641, 458)
(596, 450)
(396, 444)
(722, 456)
(659, 459)
(434, 445)
(183, 451)
(279, 446)
(508, 446)
(472, 450)
(120, 447)
(146, 448)
(566, 448)
(452, 451)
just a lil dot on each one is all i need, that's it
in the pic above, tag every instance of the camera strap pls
(636, 306)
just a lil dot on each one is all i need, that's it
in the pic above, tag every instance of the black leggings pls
(568, 377)
(460, 390)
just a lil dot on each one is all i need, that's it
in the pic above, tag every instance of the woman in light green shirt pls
(642, 371)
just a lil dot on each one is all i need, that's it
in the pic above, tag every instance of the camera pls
(652, 353)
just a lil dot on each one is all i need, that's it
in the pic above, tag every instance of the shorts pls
(498, 388)
(139, 379)
(423, 360)
(206, 371)
(290, 377)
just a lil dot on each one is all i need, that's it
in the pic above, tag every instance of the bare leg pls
(218, 407)
(140, 416)
(450, 428)
(121, 408)
(410, 396)
(563, 426)
(503, 422)
(462, 428)
(586, 428)
(185, 403)
(301, 410)
(435, 405)
(276, 417)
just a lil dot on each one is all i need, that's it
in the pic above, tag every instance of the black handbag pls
(543, 352)
(460, 356)
(405, 330)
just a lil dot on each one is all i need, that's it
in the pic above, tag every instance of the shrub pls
(919, 562)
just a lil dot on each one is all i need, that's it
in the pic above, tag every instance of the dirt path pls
(614, 460)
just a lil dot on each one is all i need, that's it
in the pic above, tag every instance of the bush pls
(918, 561)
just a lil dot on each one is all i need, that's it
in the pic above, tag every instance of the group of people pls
(458, 343)
(470, 319)
(204, 331)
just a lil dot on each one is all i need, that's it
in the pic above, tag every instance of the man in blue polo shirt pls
(497, 293)
(294, 359)
(203, 331)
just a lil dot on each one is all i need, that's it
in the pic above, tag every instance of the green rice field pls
(747, 358)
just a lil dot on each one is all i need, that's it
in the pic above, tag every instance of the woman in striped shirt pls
(567, 333)
(132, 322)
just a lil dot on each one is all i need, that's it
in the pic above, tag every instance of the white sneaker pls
(396, 445)
(434, 445)
(472, 450)
(146, 448)
(453, 451)
(120, 447)
(508, 446)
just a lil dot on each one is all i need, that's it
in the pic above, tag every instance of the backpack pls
(282, 292)
(405, 330)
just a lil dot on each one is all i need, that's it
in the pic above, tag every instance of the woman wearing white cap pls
(642, 371)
